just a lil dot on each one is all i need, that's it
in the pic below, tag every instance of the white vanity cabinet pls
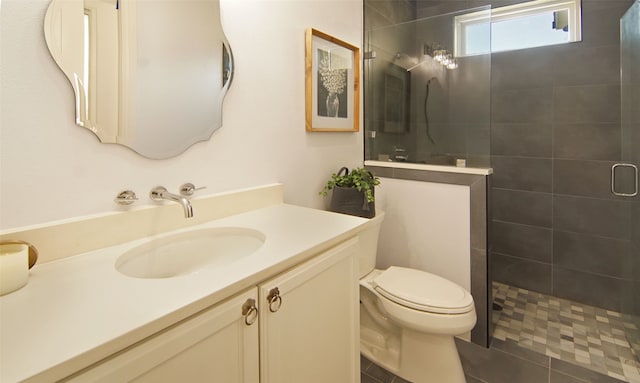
(306, 330)
(309, 321)
(213, 346)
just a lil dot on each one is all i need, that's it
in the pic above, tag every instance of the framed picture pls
(332, 88)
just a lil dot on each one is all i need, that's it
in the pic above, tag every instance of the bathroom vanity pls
(285, 312)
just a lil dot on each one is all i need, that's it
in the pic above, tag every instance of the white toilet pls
(408, 317)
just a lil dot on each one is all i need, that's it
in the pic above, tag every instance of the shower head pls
(426, 52)
(403, 60)
(416, 65)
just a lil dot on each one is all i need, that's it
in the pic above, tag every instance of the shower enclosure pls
(560, 127)
(566, 218)
(419, 108)
(630, 124)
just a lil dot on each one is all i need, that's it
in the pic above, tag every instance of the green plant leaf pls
(359, 178)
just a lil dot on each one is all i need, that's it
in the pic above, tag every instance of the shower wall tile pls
(481, 298)
(578, 65)
(507, 69)
(635, 230)
(469, 107)
(632, 298)
(374, 18)
(592, 216)
(529, 208)
(593, 179)
(524, 241)
(521, 272)
(521, 139)
(631, 304)
(478, 161)
(450, 139)
(587, 141)
(526, 105)
(479, 140)
(598, 255)
(631, 139)
(478, 214)
(532, 174)
(436, 8)
(583, 178)
(471, 92)
(589, 104)
(601, 21)
(593, 289)
(392, 12)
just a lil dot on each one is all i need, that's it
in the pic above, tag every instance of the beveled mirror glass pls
(147, 74)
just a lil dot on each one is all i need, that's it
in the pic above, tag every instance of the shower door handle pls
(635, 180)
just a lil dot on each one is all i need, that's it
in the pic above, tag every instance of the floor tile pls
(589, 337)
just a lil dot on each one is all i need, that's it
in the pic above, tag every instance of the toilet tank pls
(368, 239)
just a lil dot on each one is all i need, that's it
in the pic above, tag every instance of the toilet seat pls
(423, 291)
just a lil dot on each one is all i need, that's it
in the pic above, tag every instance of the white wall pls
(50, 169)
(426, 227)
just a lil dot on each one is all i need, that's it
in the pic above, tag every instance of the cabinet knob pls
(274, 299)
(250, 312)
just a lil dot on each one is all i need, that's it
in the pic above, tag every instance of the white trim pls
(461, 22)
(515, 11)
(433, 168)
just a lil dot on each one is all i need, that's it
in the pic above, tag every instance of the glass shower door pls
(422, 105)
(625, 176)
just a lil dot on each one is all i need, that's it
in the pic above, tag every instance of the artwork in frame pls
(332, 87)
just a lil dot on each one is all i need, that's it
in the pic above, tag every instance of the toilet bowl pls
(409, 317)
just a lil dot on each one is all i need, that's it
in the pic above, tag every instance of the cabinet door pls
(214, 346)
(309, 332)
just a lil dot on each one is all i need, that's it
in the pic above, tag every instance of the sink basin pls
(187, 252)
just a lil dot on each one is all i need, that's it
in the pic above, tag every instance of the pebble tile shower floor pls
(588, 336)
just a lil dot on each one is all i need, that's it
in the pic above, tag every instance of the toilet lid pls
(423, 291)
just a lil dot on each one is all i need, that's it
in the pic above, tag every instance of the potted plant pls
(353, 192)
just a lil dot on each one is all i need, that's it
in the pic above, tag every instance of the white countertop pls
(80, 309)
(429, 167)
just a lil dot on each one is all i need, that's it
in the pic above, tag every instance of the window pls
(526, 25)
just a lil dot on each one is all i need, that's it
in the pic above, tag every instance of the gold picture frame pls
(332, 86)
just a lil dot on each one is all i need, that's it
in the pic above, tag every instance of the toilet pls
(408, 317)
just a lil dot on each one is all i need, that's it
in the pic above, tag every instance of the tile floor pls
(503, 362)
(584, 335)
(548, 340)
(371, 373)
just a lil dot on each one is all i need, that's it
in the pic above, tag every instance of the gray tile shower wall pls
(378, 14)
(555, 133)
(630, 76)
(524, 207)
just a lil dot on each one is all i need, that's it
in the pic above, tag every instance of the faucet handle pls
(126, 197)
(157, 192)
(189, 189)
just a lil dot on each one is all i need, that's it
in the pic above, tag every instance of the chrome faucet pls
(160, 193)
(400, 154)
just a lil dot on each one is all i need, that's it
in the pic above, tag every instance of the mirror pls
(150, 75)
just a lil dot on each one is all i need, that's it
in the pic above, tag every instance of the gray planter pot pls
(350, 201)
